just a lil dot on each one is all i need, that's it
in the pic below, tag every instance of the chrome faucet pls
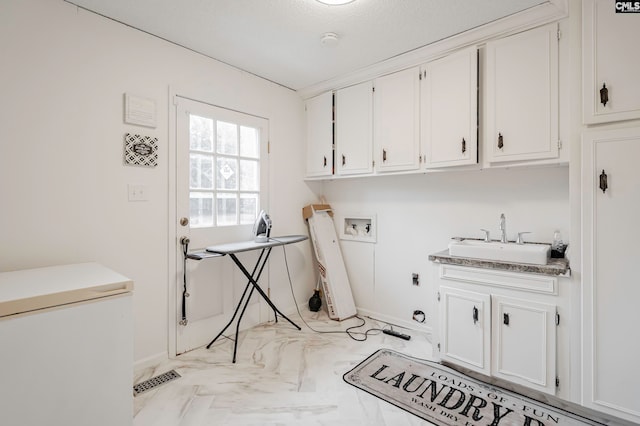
(503, 228)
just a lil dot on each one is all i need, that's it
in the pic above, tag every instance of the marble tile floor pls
(282, 377)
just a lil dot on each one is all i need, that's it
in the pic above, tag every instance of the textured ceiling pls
(280, 39)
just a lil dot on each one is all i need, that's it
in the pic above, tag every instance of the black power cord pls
(362, 336)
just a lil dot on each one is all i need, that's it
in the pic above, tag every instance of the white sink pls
(536, 254)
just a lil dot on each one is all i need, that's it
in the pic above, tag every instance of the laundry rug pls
(446, 397)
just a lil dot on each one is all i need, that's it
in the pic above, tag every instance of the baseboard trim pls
(150, 361)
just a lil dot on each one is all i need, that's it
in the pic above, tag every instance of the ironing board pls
(231, 249)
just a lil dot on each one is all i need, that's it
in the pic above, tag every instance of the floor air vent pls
(154, 382)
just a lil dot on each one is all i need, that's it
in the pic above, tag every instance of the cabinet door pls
(521, 113)
(610, 61)
(354, 129)
(524, 342)
(611, 292)
(449, 110)
(396, 121)
(465, 328)
(319, 112)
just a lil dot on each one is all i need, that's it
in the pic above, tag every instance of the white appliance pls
(66, 347)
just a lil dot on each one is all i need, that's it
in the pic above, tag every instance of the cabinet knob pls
(603, 182)
(505, 319)
(500, 141)
(344, 160)
(325, 162)
(384, 155)
(604, 95)
(475, 315)
(464, 146)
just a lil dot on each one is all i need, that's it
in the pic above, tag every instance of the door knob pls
(184, 221)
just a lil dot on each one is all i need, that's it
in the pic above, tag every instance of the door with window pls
(221, 180)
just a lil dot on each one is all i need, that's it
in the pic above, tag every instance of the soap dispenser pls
(557, 246)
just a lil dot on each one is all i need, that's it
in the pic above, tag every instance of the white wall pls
(63, 184)
(418, 214)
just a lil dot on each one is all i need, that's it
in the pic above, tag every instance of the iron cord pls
(359, 336)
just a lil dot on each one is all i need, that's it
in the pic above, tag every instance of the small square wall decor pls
(140, 150)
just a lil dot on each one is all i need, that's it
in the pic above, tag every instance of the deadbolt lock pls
(184, 221)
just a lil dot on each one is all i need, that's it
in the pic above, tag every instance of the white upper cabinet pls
(611, 63)
(396, 121)
(521, 96)
(319, 112)
(354, 129)
(449, 110)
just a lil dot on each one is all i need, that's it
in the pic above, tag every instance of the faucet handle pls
(520, 240)
(487, 236)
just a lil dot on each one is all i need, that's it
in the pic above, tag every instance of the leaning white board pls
(335, 281)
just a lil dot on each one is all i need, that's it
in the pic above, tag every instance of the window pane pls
(227, 208)
(249, 144)
(200, 209)
(227, 138)
(249, 176)
(201, 171)
(200, 133)
(227, 173)
(248, 208)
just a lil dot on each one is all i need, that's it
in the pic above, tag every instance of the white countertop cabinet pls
(501, 324)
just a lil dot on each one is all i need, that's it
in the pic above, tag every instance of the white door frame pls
(173, 243)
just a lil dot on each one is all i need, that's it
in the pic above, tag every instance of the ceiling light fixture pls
(336, 2)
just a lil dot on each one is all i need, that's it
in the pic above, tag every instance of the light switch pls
(138, 192)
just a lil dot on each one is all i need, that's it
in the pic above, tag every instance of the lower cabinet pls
(497, 331)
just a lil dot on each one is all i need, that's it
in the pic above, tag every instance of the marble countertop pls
(553, 267)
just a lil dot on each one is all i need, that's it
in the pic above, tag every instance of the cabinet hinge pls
(438, 296)
(559, 34)
(373, 89)
(559, 144)
(420, 75)
(557, 318)
(557, 382)
(268, 147)
(438, 347)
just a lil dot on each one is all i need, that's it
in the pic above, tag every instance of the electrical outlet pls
(415, 279)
